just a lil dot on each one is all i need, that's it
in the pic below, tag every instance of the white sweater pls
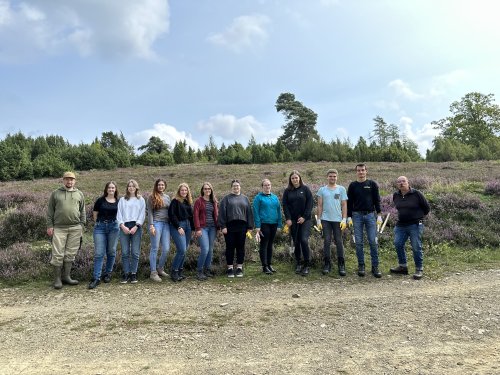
(133, 209)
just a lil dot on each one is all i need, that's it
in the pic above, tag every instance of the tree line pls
(470, 133)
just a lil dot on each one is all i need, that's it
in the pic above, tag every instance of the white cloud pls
(441, 84)
(422, 136)
(229, 128)
(111, 28)
(245, 32)
(166, 133)
(403, 90)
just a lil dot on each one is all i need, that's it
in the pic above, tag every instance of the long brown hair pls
(290, 185)
(189, 198)
(105, 194)
(157, 197)
(212, 197)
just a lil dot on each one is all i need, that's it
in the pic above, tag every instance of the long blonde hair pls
(189, 198)
(136, 185)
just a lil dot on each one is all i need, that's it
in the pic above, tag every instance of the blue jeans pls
(181, 244)
(368, 221)
(162, 236)
(105, 241)
(414, 232)
(131, 250)
(331, 229)
(206, 248)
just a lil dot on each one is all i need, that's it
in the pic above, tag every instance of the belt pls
(106, 221)
(364, 212)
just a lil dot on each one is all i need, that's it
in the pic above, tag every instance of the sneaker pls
(305, 271)
(133, 278)
(161, 272)
(209, 273)
(361, 270)
(326, 268)
(106, 278)
(154, 276)
(298, 269)
(400, 270)
(376, 272)
(271, 269)
(342, 271)
(239, 272)
(201, 276)
(230, 272)
(125, 278)
(266, 270)
(418, 274)
(93, 283)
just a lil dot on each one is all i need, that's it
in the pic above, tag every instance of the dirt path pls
(349, 326)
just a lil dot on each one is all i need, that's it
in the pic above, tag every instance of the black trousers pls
(235, 241)
(301, 233)
(266, 243)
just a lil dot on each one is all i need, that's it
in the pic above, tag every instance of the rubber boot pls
(66, 278)
(57, 277)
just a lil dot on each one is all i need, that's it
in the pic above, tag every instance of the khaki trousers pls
(65, 244)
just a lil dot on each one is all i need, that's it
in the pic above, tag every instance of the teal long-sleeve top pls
(267, 210)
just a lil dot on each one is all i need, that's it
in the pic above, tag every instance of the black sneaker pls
(125, 278)
(298, 269)
(271, 269)
(326, 268)
(93, 283)
(239, 272)
(106, 278)
(400, 270)
(418, 274)
(376, 272)
(201, 276)
(361, 270)
(133, 278)
(305, 271)
(230, 272)
(266, 270)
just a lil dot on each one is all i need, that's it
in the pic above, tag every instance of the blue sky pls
(189, 69)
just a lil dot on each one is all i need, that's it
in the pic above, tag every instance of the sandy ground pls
(330, 326)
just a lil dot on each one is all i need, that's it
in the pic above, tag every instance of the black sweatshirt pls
(297, 202)
(412, 207)
(178, 212)
(363, 196)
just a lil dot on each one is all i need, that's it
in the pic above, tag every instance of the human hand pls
(349, 222)
(152, 230)
(50, 232)
(379, 222)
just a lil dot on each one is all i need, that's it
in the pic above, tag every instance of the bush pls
(492, 188)
(26, 223)
(10, 199)
(21, 263)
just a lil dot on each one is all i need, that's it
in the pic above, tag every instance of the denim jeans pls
(131, 250)
(105, 241)
(266, 243)
(414, 232)
(332, 229)
(300, 235)
(161, 237)
(206, 248)
(368, 221)
(181, 243)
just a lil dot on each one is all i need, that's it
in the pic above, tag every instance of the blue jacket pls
(267, 210)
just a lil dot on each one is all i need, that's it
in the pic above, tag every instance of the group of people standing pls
(181, 218)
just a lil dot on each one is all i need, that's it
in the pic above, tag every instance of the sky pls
(191, 69)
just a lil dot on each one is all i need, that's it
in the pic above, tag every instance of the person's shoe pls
(66, 278)
(93, 283)
(361, 270)
(342, 271)
(376, 272)
(154, 276)
(161, 272)
(400, 270)
(239, 272)
(125, 278)
(57, 277)
(106, 278)
(209, 273)
(181, 275)
(133, 278)
(271, 269)
(418, 274)
(266, 270)
(298, 269)
(201, 276)
(174, 275)
(230, 272)
(326, 268)
(305, 271)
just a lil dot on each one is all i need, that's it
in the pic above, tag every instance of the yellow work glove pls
(249, 234)
(379, 222)
(286, 229)
(319, 225)
(349, 222)
(343, 224)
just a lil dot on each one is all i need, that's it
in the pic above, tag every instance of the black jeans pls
(300, 234)
(266, 243)
(235, 241)
(329, 228)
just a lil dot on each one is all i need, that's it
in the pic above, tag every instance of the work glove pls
(379, 222)
(319, 225)
(343, 224)
(249, 234)
(286, 229)
(349, 222)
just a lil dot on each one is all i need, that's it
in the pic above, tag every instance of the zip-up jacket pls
(297, 202)
(412, 207)
(267, 210)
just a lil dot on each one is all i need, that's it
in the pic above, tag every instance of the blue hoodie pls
(267, 210)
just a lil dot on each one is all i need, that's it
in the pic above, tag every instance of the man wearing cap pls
(65, 221)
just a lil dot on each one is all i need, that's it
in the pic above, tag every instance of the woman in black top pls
(297, 206)
(105, 233)
(180, 214)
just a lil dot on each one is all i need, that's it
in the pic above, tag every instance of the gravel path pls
(330, 326)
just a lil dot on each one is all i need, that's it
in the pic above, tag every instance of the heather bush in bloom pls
(10, 199)
(21, 263)
(26, 223)
(492, 187)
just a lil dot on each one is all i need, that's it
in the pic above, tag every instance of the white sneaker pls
(154, 276)
(162, 273)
